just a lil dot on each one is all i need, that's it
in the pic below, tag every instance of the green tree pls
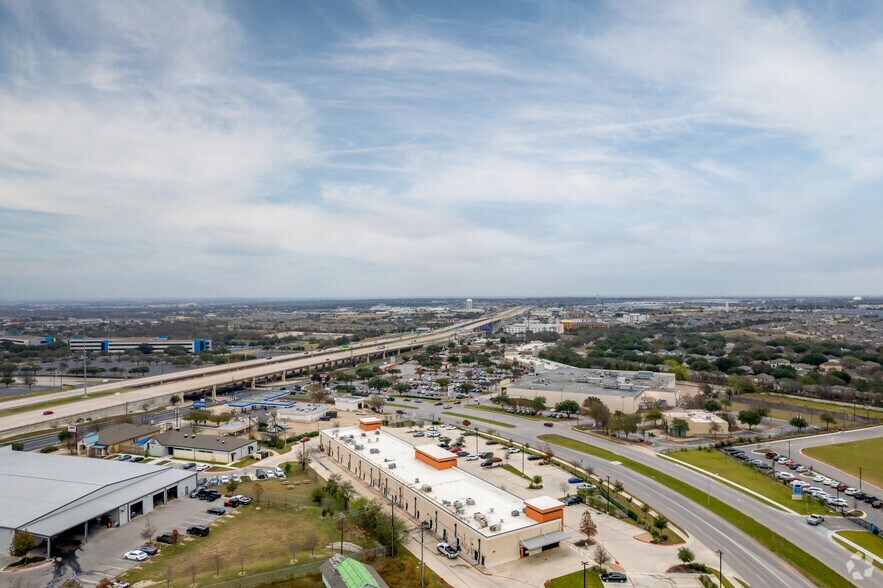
(827, 419)
(798, 423)
(686, 555)
(538, 403)
(22, 543)
(654, 414)
(678, 427)
(749, 417)
(568, 406)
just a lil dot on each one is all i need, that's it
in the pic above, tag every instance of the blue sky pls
(440, 148)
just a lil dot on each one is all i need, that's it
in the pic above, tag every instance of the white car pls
(819, 479)
(585, 486)
(796, 483)
(360, 413)
(236, 478)
(448, 551)
(471, 457)
(225, 479)
(279, 473)
(433, 434)
(513, 450)
(270, 473)
(850, 491)
(837, 502)
(812, 490)
(202, 467)
(833, 483)
(826, 481)
(136, 555)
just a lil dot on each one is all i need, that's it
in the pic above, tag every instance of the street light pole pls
(585, 565)
(421, 555)
(720, 568)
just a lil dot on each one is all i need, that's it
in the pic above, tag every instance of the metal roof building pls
(48, 495)
(345, 572)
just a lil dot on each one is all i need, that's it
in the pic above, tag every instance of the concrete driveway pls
(102, 555)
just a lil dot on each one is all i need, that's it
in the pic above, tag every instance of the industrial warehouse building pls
(489, 525)
(51, 495)
(619, 390)
(125, 344)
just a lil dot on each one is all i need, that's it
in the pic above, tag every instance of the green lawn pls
(810, 567)
(475, 418)
(575, 580)
(516, 471)
(748, 476)
(820, 405)
(866, 539)
(851, 456)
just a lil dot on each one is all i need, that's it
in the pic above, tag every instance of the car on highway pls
(137, 555)
(614, 577)
(447, 551)
(48, 412)
(815, 519)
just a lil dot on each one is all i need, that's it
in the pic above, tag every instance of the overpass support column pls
(253, 383)
(215, 392)
(283, 376)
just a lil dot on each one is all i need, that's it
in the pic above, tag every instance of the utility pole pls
(392, 512)
(422, 585)
(585, 565)
(608, 495)
(720, 568)
(85, 371)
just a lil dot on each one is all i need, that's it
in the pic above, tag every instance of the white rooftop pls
(435, 451)
(543, 502)
(451, 484)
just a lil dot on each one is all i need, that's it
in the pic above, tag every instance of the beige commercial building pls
(619, 390)
(699, 423)
(488, 525)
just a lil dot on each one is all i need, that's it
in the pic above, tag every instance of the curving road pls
(750, 560)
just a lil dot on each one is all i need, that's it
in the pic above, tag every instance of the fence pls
(796, 409)
(288, 573)
(865, 524)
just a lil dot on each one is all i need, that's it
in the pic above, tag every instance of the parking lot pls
(102, 555)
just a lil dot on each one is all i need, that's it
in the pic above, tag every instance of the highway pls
(158, 388)
(750, 560)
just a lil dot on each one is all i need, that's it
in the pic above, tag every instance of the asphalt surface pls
(750, 560)
(206, 377)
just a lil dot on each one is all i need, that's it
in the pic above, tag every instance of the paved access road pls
(751, 561)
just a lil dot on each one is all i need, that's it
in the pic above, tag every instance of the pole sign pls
(71, 428)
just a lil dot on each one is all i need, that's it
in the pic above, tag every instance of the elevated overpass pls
(141, 394)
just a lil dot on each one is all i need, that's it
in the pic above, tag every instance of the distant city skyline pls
(381, 150)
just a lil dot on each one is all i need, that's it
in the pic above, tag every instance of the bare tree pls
(304, 457)
(217, 559)
(292, 548)
(601, 557)
(588, 527)
(149, 529)
(258, 493)
(168, 576)
(311, 540)
(193, 574)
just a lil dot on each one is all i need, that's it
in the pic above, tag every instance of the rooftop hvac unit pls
(427, 488)
(391, 466)
(481, 519)
(470, 501)
(494, 528)
(416, 480)
(359, 447)
(446, 502)
(375, 450)
(516, 513)
(458, 504)
(376, 432)
(364, 434)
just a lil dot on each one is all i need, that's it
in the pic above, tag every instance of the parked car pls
(487, 463)
(241, 499)
(198, 530)
(188, 466)
(202, 467)
(213, 481)
(575, 480)
(279, 473)
(236, 478)
(164, 538)
(138, 459)
(513, 450)
(124, 457)
(471, 458)
(491, 442)
(876, 504)
(818, 479)
(216, 510)
(136, 555)
(149, 549)
(771, 455)
(447, 551)
(225, 479)
(571, 500)
(463, 454)
(585, 486)
(815, 519)
(534, 457)
(850, 491)
(617, 577)
(261, 474)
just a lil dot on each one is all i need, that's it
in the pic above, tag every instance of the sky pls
(394, 149)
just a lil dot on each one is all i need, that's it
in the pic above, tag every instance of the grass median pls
(575, 580)
(865, 539)
(475, 418)
(863, 454)
(810, 567)
(748, 476)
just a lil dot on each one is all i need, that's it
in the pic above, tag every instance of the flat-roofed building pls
(121, 345)
(487, 524)
(26, 340)
(699, 423)
(619, 390)
(50, 494)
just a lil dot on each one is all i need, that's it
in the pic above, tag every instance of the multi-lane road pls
(148, 391)
(750, 560)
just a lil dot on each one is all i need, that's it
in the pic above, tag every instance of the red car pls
(45, 412)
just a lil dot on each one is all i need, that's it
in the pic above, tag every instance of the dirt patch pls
(28, 563)
(644, 538)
